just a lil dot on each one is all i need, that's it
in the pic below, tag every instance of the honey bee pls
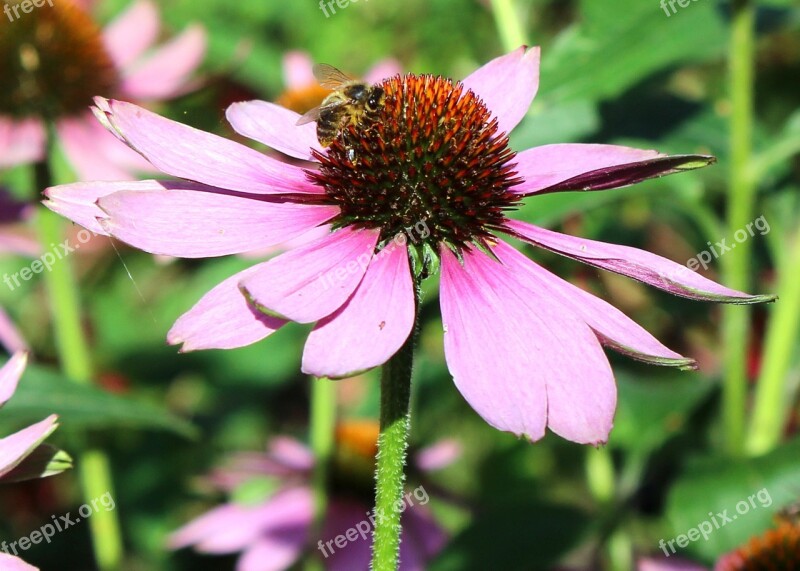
(350, 101)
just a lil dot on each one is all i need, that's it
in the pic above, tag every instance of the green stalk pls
(323, 427)
(392, 448)
(93, 467)
(737, 264)
(509, 24)
(772, 404)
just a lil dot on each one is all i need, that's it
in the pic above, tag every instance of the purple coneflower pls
(427, 181)
(272, 534)
(54, 59)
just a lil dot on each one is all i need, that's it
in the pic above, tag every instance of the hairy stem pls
(392, 448)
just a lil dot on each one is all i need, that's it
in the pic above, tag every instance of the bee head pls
(375, 98)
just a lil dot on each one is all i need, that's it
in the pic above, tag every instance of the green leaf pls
(562, 123)
(612, 49)
(748, 492)
(42, 392)
(522, 536)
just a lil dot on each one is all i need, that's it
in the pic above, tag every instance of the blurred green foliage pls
(614, 73)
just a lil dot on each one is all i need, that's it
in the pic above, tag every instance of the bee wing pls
(309, 116)
(329, 77)
(314, 114)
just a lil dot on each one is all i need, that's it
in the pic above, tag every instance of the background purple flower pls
(272, 534)
(141, 72)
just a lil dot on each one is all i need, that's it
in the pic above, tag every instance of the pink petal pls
(663, 564)
(384, 69)
(165, 73)
(132, 32)
(521, 361)
(222, 319)
(192, 223)
(291, 453)
(632, 262)
(14, 448)
(545, 166)
(613, 327)
(18, 241)
(286, 516)
(507, 85)
(10, 374)
(11, 563)
(274, 126)
(438, 455)
(96, 154)
(298, 70)
(10, 337)
(20, 141)
(244, 466)
(314, 280)
(310, 236)
(78, 201)
(374, 323)
(556, 168)
(273, 554)
(232, 520)
(185, 152)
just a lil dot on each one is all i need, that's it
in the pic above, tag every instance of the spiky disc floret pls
(776, 550)
(52, 61)
(431, 153)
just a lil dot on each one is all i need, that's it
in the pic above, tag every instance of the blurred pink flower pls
(273, 534)
(16, 448)
(119, 62)
(429, 176)
(11, 563)
(664, 564)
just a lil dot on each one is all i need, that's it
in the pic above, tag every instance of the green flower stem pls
(323, 427)
(509, 24)
(93, 467)
(392, 448)
(737, 264)
(771, 401)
